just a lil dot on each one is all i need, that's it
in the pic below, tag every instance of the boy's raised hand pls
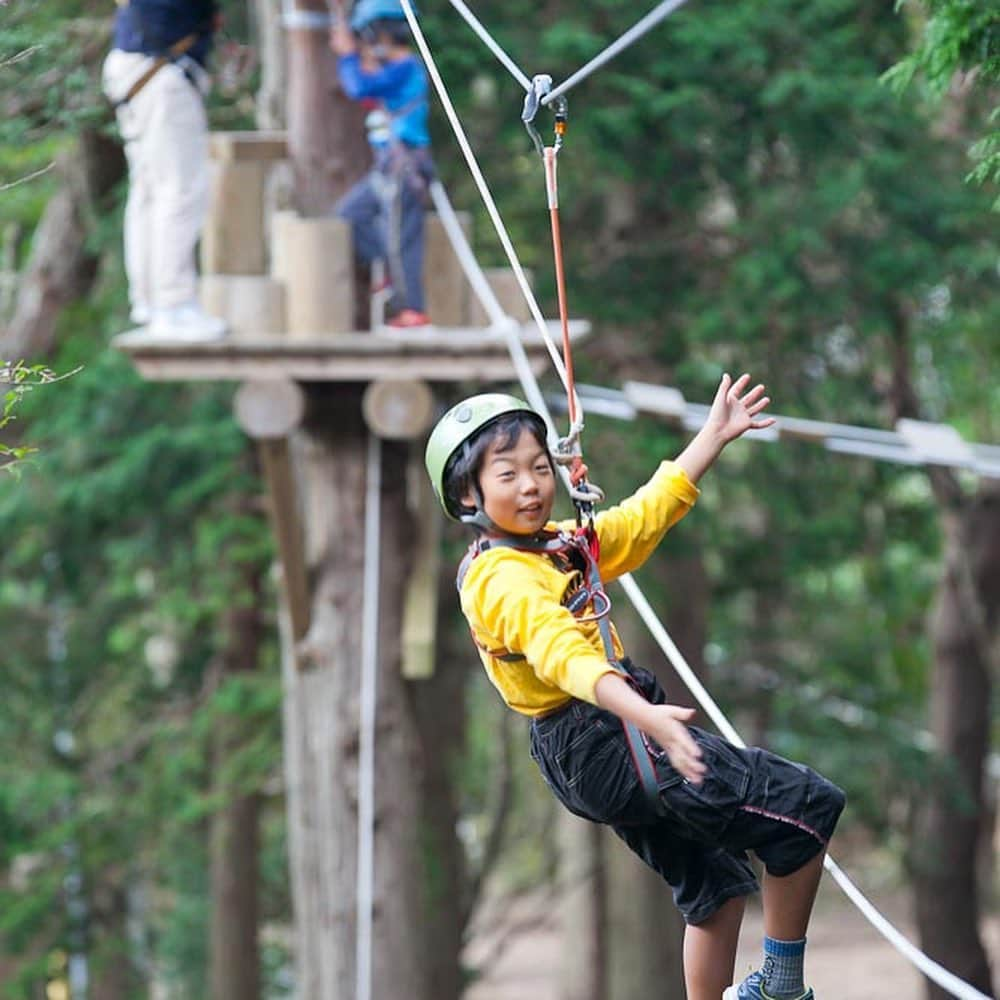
(735, 409)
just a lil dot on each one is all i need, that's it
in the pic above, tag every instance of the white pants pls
(165, 131)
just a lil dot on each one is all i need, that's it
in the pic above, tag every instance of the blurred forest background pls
(746, 189)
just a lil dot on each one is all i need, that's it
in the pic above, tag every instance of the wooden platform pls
(434, 354)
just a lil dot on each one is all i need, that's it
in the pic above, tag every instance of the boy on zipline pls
(386, 208)
(602, 733)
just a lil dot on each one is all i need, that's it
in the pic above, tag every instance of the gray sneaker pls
(752, 988)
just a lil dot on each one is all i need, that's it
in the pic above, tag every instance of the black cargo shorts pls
(749, 800)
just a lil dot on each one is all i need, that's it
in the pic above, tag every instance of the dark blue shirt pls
(152, 26)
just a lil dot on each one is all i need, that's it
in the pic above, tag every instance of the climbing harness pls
(577, 551)
(933, 970)
(176, 53)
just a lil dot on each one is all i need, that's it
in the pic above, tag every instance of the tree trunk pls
(321, 721)
(582, 910)
(326, 133)
(61, 269)
(111, 972)
(328, 150)
(951, 819)
(645, 928)
(234, 972)
(269, 34)
(442, 739)
(622, 933)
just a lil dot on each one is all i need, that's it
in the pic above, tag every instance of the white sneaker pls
(186, 322)
(140, 315)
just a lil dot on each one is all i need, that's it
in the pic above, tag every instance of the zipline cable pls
(491, 43)
(937, 973)
(634, 33)
(486, 195)
(367, 697)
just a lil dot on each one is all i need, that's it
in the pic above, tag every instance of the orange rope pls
(552, 187)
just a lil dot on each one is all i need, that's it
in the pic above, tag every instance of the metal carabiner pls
(541, 86)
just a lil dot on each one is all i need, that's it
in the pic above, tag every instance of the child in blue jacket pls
(386, 208)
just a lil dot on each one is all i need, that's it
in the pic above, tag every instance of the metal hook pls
(541, 86)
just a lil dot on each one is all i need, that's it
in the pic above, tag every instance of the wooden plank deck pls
(434, 354)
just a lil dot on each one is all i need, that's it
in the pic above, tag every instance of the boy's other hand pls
(735, 409)
(667, 725)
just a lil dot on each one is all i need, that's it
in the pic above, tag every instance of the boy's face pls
(518, 486)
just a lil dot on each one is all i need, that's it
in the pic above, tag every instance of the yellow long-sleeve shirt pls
(512, 599)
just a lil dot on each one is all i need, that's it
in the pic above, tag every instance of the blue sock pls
(782, 970)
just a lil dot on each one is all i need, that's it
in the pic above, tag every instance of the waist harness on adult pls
(579, 551)
(171, 54)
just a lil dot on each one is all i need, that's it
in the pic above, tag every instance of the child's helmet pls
(366, 12)
(457, 426)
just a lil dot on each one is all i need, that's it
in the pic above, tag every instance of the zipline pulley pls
(541, 86)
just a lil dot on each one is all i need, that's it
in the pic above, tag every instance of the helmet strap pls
(480, 519)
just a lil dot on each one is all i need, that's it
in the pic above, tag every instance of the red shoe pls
(408, 318)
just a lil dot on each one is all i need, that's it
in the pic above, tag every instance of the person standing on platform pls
(376, 64)
(156, 78)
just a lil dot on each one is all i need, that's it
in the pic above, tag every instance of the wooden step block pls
(313, 259)
(420, 602)
(445, 287)
(232, 241)
(231, 147)
(508, 293)
(250, 304)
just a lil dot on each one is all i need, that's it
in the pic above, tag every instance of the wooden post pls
(326, 133)
(268, 411)
(403, 410)
(232, 240)
(445, 285)
(313, 259)
(398, 409)
(329, 151)
(420, 608)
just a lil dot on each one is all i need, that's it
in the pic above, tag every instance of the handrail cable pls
(491, 43)
(937, 973)
(631, 36)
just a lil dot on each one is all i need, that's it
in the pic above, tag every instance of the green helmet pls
(459, 424)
